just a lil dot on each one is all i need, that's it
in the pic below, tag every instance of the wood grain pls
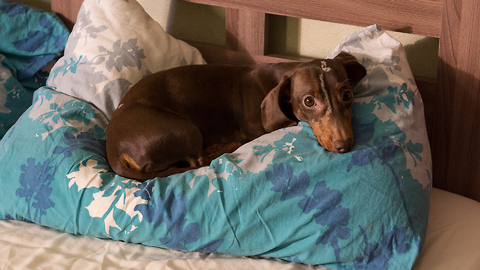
(67, 10)
(456, 145)
(411, 16)
(245, 31)
(428, 89)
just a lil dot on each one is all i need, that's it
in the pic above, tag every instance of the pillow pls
(281, 195)
(31, 38)
(107, 53)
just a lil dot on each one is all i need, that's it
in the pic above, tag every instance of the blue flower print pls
(85, 141)
(36, 189)
(171, 210)
(396, 96)
(284, 181)
(13, 9)
(382, 252)
(324, 201)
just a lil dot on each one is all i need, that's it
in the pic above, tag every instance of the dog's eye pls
(309, 101)
(347, 95)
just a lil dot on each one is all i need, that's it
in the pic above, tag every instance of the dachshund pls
(183, 118)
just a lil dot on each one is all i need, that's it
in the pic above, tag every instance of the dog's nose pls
(342, 146)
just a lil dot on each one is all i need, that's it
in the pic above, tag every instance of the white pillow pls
(113, 45)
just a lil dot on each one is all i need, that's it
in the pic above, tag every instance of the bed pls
(405, 197)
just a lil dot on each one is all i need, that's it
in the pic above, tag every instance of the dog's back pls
(222, 101)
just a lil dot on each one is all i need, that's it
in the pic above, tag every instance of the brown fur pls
(183, 118)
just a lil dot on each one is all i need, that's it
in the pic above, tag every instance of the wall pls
(43, 4)
(291, 36)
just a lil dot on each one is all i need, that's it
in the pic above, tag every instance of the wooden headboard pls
(452, 102)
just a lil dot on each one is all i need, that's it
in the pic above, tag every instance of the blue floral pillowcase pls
(281, 195)
(31, 38)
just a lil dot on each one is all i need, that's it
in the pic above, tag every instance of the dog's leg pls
(157, 145)
(206, 157)
(170, 171)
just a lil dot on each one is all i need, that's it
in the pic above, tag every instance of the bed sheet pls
(453, 234)
(30, 246)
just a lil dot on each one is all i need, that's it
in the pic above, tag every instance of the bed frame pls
(452, 102)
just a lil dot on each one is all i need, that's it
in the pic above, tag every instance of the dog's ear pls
(277, 111)
(355, 70)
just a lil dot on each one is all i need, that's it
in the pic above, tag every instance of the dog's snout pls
(343, 146)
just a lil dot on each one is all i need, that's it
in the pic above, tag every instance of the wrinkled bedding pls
(30, 40)
(281, 195)
(29, 246)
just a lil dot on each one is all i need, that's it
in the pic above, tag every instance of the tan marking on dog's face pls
(328, 130)
(329, 115)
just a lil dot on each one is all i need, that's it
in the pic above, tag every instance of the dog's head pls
(318, 92)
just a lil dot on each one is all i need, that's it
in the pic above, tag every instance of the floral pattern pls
(324, 201)
(35, 38)
(36, 180)
(281, 195)
(109, 57)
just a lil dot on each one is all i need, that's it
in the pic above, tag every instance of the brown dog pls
(183, 118)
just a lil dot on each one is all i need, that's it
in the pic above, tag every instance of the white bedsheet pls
(30, 246)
